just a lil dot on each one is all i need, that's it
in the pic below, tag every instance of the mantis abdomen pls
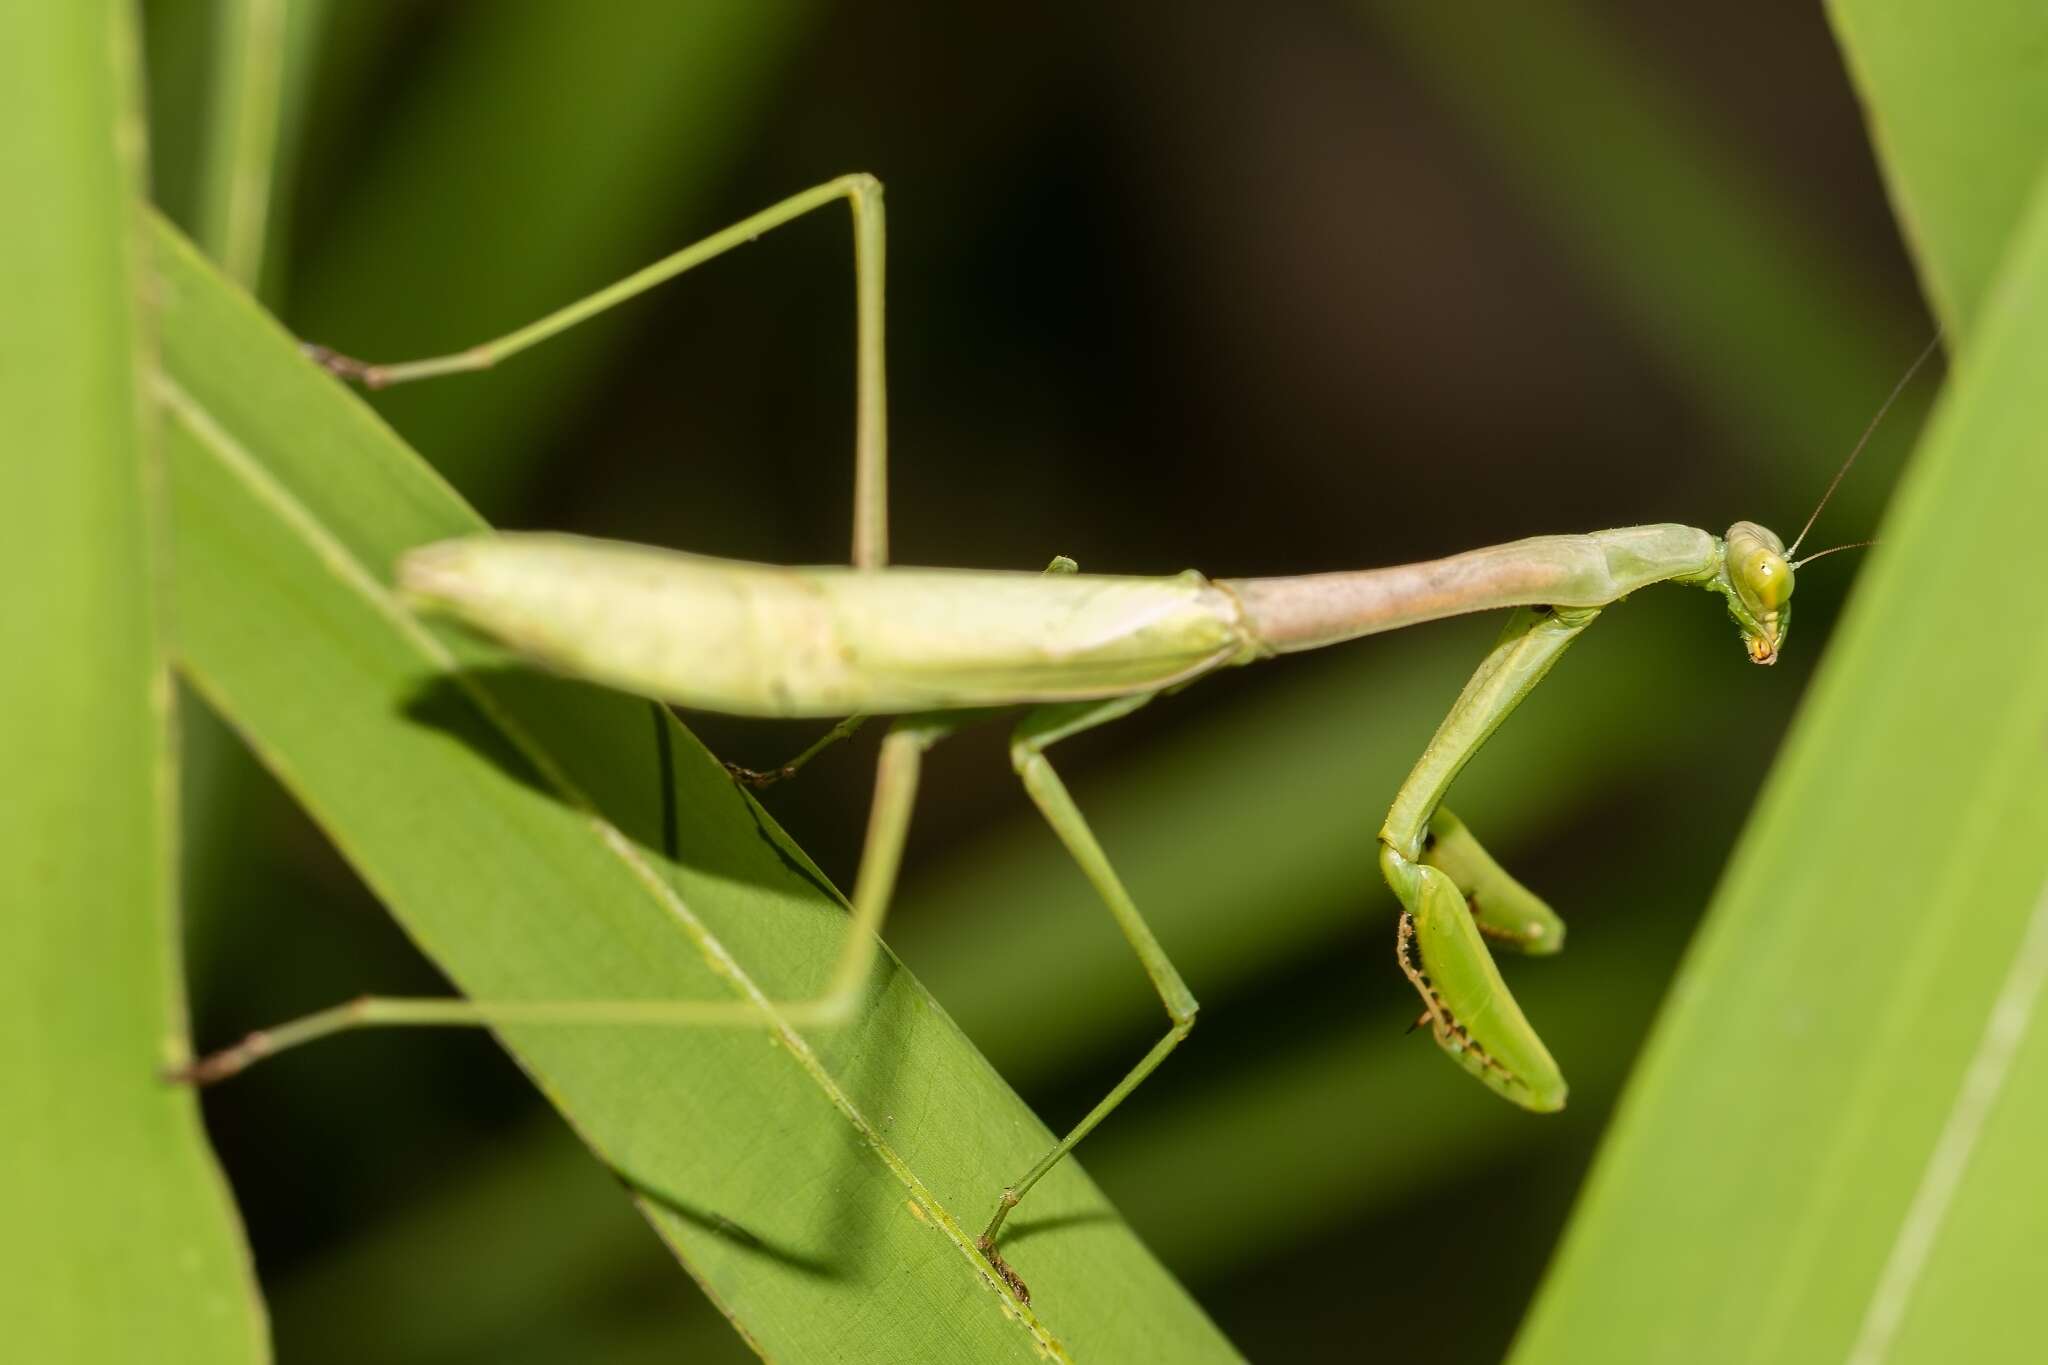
(767, 640)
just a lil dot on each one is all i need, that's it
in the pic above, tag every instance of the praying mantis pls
(938, 649)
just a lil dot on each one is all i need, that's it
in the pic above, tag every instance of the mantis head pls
(1756, 568)
(1756, 578)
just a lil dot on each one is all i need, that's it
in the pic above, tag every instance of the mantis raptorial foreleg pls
(1504, 910)
(1424, 858)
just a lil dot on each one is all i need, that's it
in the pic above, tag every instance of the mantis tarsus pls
(939, 649)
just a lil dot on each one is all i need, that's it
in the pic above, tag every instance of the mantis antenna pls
(1823, 554)
(1862, 441)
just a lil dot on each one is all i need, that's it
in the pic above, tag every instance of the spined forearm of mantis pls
(936, 649)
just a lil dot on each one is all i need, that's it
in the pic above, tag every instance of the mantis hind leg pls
(863, 194)
(896, 777)
(1039, 729)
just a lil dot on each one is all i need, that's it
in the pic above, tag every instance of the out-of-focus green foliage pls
(537, 150)
(117, 1241)
(243, 155)
(1957, 101)
(1681, 236)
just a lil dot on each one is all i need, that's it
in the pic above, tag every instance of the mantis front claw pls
(1453, 893)
(1470, 1011)
(1503, 909)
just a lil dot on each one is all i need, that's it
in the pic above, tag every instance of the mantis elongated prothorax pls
(937, 647)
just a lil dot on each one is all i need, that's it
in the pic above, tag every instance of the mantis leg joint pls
(986, 1245)
(344, 367)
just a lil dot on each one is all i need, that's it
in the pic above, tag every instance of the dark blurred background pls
(1254, 289)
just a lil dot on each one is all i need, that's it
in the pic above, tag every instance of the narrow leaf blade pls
(117, 1240)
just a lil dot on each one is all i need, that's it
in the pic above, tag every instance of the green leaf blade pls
(119, 1241)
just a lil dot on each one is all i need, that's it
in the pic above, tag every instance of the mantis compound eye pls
(1766, 580)
(1762, 580)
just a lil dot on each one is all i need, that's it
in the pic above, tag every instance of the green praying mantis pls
(939, 649)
